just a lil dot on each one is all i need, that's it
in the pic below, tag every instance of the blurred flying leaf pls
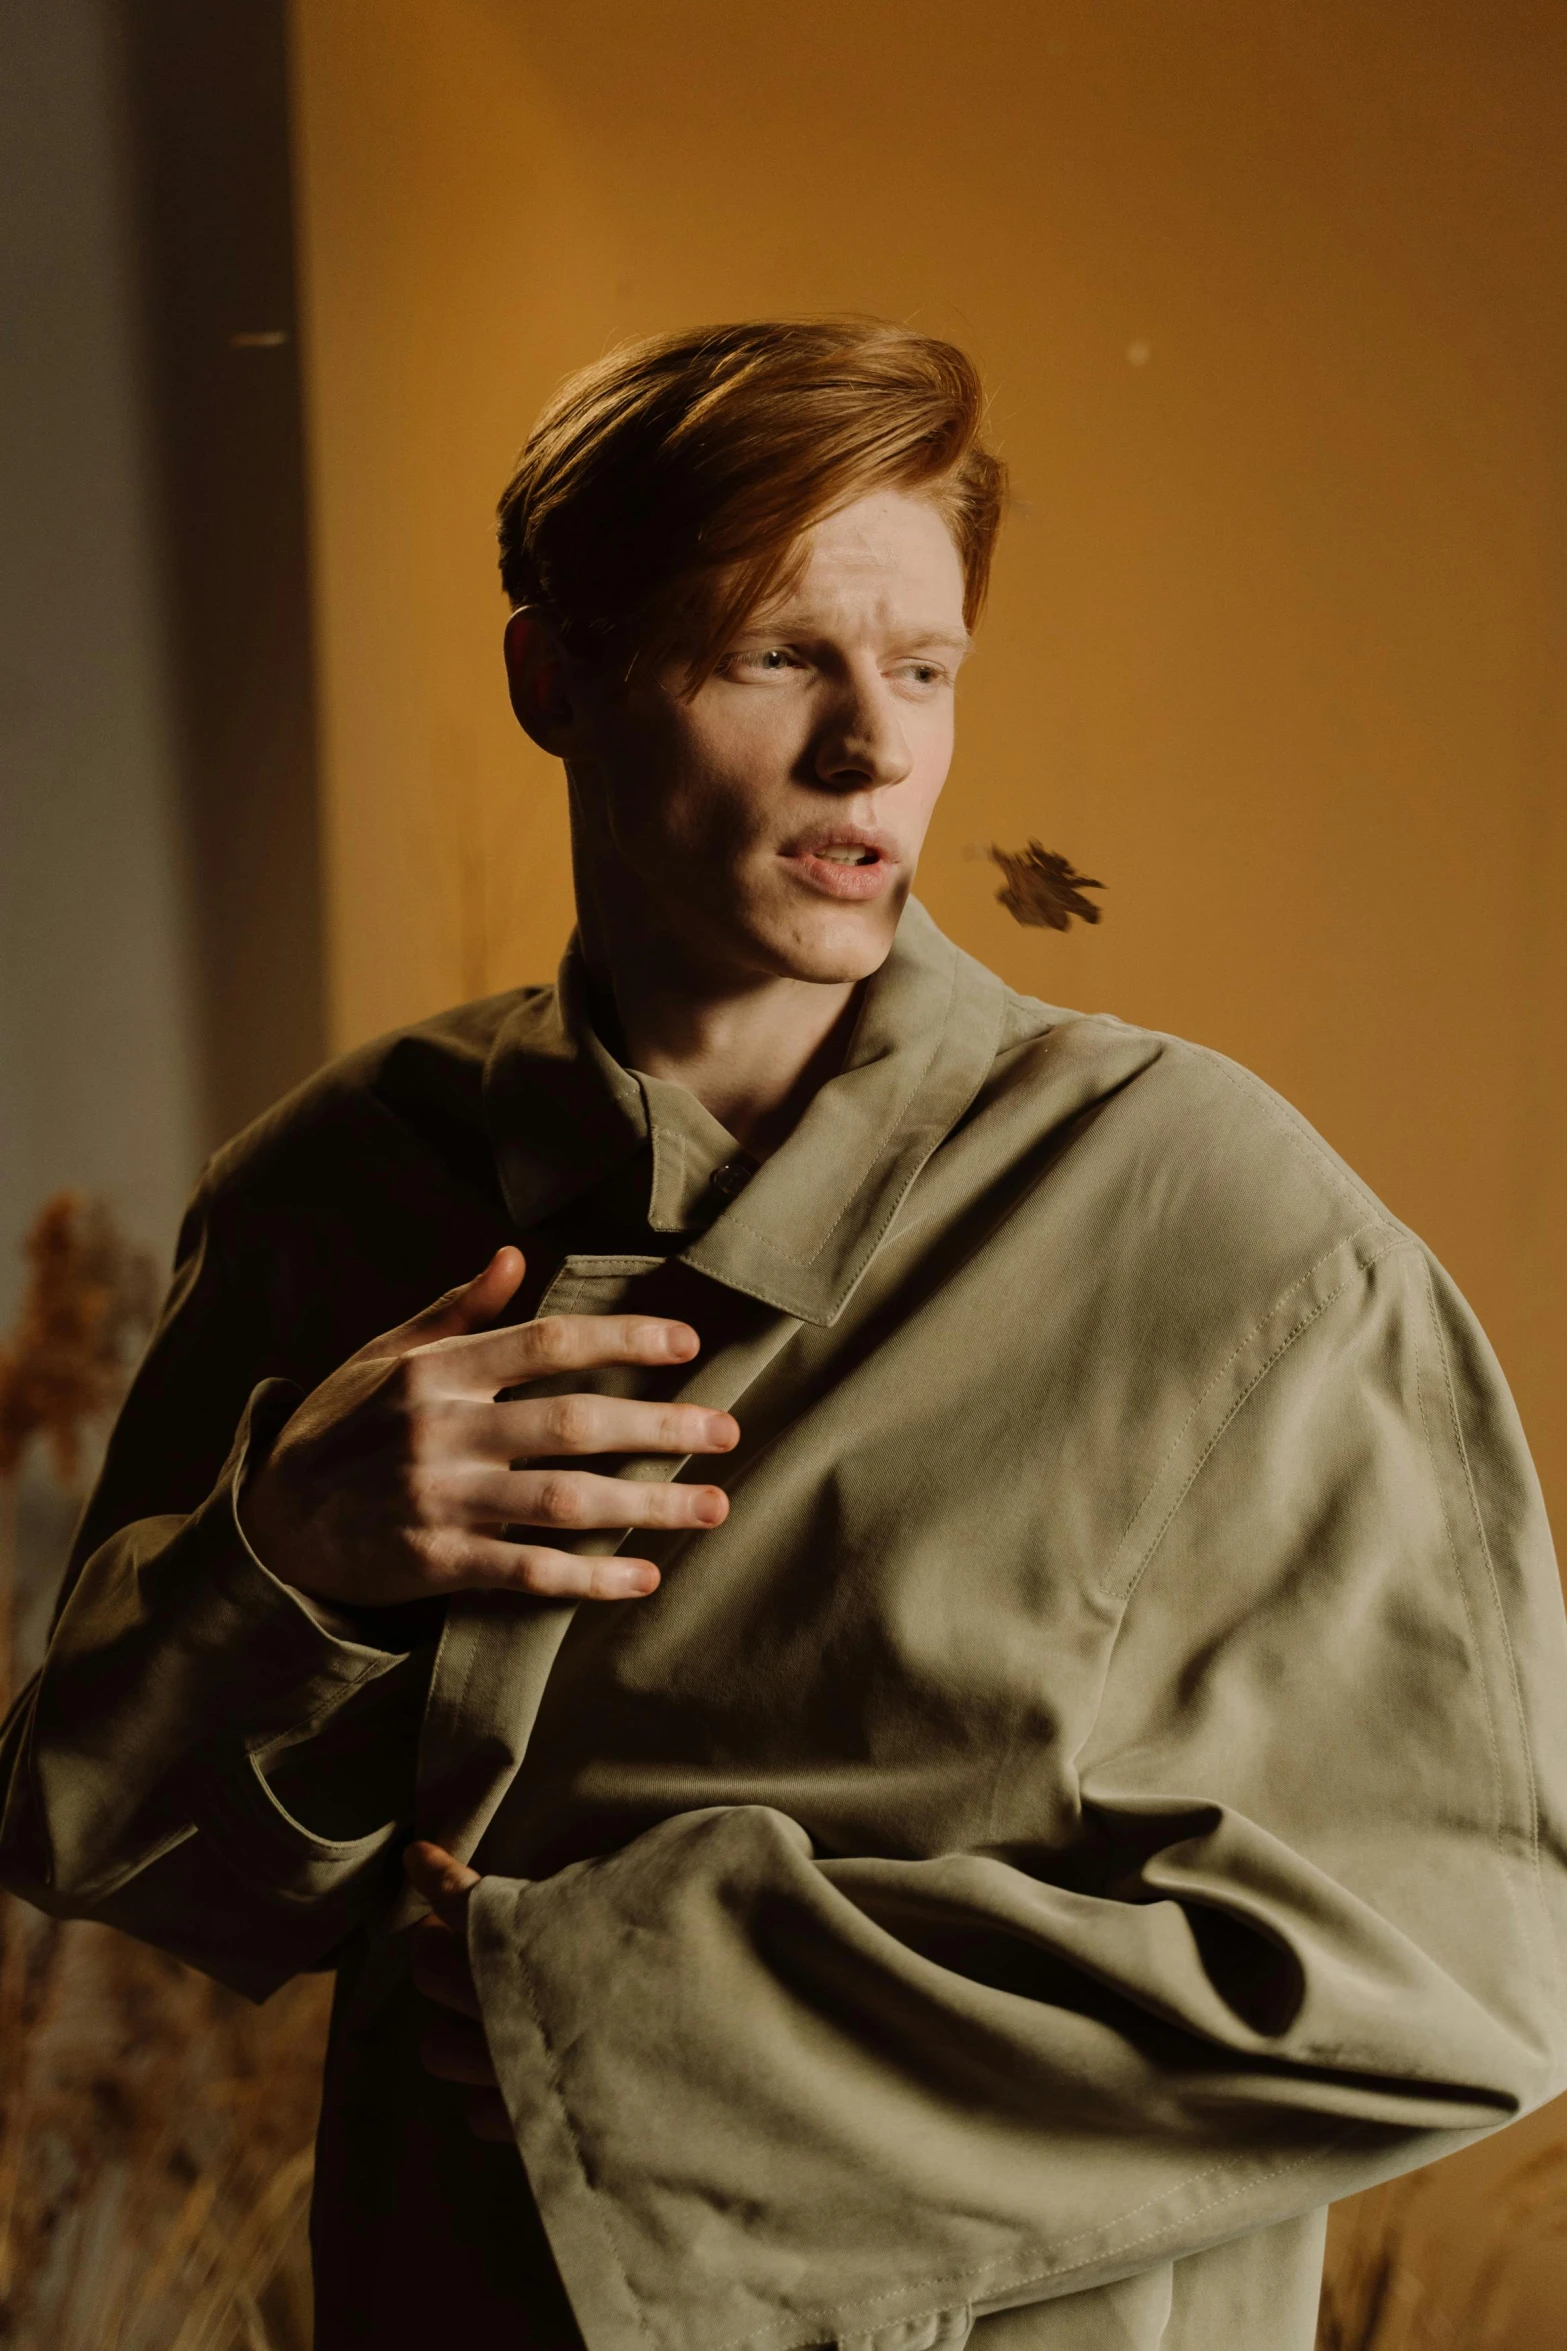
(1043, 889)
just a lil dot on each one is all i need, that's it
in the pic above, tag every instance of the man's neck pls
(754, 1055)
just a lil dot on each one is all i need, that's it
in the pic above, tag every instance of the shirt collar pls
(696, 1160)
(563, 1113)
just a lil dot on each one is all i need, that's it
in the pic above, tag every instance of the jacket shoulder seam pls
(1397, 1243)
(1477, 1520)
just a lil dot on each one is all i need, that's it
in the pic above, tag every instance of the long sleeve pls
(1307, 1929)
(193, 1714)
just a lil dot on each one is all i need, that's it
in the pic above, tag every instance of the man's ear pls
(536, 674)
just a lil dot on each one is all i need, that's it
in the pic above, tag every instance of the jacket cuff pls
(271, 1406)
(307, 1652)
(179, 1650)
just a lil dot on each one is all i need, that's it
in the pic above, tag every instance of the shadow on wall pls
(207, 96)
(160, 949)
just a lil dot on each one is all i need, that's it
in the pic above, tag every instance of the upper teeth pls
(846, 856)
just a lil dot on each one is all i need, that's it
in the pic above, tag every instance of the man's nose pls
(862, 745)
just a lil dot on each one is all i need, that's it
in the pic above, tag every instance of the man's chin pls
(832, 945)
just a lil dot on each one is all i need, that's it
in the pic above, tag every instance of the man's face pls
(770, 823)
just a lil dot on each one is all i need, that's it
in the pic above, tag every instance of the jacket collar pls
(563, 1114)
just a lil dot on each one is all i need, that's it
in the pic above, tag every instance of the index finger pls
(484, 1362)
(440, 1969)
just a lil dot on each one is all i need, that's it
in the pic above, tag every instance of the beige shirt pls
(1098, 1798)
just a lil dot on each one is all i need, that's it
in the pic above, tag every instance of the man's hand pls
(452, 2046)
(397, 1476)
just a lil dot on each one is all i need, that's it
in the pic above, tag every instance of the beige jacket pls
(1098, 1798)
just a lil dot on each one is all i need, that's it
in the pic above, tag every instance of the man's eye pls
(924, 673)
(769, 661)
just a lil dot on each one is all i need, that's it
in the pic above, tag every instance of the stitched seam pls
(1492, 1740)
(876, 1234)
(334, 1700)
(781, 1303)
(280, 1822)
(1490, 1562)
(420, 1745)
(971, 2274)
(794, 1307)
(453, 1712)
(1211, 2204)
(1345, 1241)
(624, 1266)
(1237, 1406)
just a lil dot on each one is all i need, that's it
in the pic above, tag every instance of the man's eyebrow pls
(784, 622)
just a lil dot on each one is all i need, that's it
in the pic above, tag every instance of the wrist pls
(263, 1526)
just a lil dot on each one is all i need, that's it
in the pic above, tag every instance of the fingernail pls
(712, 1506)
(632, 1583)
(721, 1430)
(680, 1340)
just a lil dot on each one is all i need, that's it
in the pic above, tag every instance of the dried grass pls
(157, 2150)
(1435, 2261)
(1374, 2296)
(87, 1307)
(155, 2130)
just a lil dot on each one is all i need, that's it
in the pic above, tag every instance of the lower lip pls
(834, 880)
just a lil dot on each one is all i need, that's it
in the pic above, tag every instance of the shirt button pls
(731, 1178)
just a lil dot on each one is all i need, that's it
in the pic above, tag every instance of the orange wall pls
(1269, 297)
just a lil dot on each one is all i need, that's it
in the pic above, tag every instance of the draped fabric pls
(1098, 1798)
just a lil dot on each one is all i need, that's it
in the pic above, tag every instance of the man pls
(953, 1620)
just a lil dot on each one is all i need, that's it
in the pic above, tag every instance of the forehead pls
(889, 554)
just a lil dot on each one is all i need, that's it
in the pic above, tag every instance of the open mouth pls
(844, 862)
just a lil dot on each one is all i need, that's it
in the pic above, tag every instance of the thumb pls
(472, 1306)
(443, 1880)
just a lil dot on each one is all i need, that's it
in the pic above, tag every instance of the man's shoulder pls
(410, 1097)
(1194, 1154)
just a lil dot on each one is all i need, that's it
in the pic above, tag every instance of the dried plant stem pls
(13, 1944)
(1535, 2192)
(164, 2157)
(155, 2130)
(13, 1997)
(191, 2224)
(10, 1593)
(1373, 2297)
(23, 2009)
(249, 2258)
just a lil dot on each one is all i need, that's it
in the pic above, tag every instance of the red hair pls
(665, 491)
